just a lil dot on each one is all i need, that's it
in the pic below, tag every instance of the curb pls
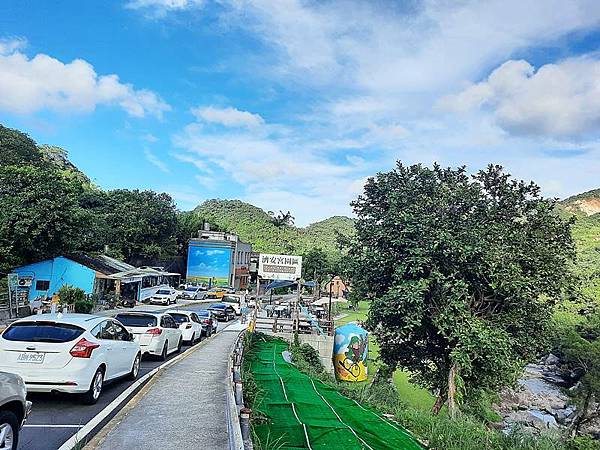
(90, 429)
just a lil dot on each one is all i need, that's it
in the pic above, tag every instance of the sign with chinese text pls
(279, 267)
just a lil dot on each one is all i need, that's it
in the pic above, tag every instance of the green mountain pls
(586, 233)
(582, 205)
(254, 225)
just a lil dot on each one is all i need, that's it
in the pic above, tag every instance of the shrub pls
(70, 295)
(84, 306)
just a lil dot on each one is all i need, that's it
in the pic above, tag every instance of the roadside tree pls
(40, 216)
(464, 271)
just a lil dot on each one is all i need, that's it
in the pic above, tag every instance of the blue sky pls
(292, 104)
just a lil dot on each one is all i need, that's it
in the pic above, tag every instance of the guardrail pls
(239, 415)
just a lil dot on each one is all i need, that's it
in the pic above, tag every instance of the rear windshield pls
(217, 306)
(163, 292)
(179, 318)
(203, 313)
(42, 332)
(191, 289)
(136, 320)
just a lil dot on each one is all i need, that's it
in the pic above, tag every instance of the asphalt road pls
(57, 417)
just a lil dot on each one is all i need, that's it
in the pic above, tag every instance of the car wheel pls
(93, 394)
(9, 430)
(163, 355)
(135, 369)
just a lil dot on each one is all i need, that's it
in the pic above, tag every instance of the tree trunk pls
(581, 416)
(452, 408)
(437, 406)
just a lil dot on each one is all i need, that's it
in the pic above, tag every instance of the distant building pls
(101, 275)
(337, 286)
(218, 259)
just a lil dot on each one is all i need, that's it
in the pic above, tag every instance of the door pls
(105, 333)
(170, 329)
(127, 349)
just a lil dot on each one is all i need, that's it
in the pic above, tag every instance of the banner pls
(279, 267)
(209, 263)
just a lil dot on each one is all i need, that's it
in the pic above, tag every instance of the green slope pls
(254, 225)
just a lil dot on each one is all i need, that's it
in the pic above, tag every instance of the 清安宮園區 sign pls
(279, 267)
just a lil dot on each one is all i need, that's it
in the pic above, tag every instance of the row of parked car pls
(79, 353)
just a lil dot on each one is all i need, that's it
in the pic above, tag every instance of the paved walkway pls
(184, 408)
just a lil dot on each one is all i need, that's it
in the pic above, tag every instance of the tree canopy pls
(464, 271)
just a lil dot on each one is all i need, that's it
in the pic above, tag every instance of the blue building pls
(44, 278)
(101, 275)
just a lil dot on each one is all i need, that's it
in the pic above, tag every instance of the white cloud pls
(558, 100)
(159, 8)
(149, 137)
(228, 117)
(45, 83)
(206, 182)
(156, 161)
(10, 45)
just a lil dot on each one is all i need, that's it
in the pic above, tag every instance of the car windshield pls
(137, 320)
(203, 314)
(42, 332)
(179, 318)
(230, 299)
(191, 289)
(163, 292)
(217, 306)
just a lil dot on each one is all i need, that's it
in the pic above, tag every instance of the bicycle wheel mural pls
(350, 352)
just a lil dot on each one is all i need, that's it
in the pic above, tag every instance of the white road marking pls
(51, 426)
(82, 434)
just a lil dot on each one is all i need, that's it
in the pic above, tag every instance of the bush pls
(84, 306)
(69, 295)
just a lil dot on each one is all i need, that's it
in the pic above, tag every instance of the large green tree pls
(137, 224)
(17, 148)
(464, 271)
(40, 216)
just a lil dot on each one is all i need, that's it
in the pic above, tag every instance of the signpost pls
(13, 283)
(282, 267)
(279, 267)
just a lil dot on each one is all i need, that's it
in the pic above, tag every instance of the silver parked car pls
(14, 409)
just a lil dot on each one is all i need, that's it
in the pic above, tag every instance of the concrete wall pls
(322, 344)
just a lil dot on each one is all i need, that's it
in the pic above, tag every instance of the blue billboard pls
(209, 263)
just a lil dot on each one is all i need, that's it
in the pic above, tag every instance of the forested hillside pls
(254, 225)
(585, 208)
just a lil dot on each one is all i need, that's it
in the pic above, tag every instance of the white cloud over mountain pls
(45, 83)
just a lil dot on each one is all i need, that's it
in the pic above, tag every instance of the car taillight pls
(83, 348)
(207, 321)
(154, 331)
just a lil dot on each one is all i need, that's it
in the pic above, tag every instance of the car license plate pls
(33, 358)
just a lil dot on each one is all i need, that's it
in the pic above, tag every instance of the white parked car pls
(73, 353)
(157, 332)
(164, 296)
(189, 324)
(234, 301)
(192, 293)
(14, 409)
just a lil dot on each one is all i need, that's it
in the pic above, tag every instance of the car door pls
(105, 333)
(127, 349)
(169, 327)
(176, 332)
(196, 324)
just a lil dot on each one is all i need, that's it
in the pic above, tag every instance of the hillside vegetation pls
(254, 225)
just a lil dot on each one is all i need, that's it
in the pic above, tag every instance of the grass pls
(410, 393)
